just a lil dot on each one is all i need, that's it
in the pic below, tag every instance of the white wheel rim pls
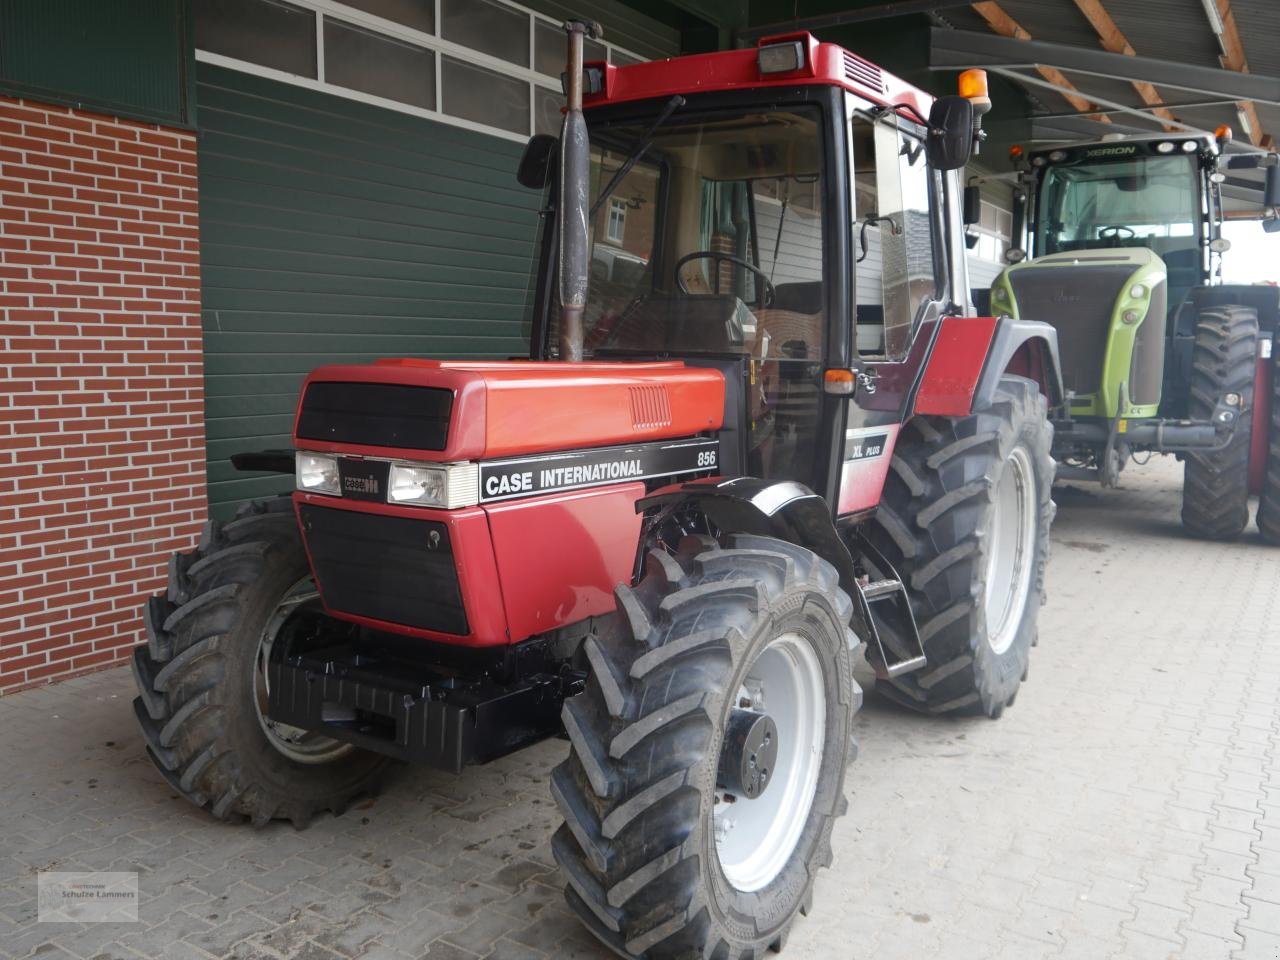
(755, 838)
(299, 745)
(1011, 542)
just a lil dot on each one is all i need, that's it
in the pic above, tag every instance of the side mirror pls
(535, 163)
(972, 204)
(1271, 187)
(1019, 216)
(950, 139)
(971, 239)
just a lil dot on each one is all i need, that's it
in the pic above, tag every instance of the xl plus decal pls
(525, 476)
(865, 444)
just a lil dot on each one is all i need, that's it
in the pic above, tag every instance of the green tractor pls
(1158, 355)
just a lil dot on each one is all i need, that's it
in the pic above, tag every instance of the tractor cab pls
(779, 225)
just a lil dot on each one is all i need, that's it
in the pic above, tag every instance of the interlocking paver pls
(1128, 806)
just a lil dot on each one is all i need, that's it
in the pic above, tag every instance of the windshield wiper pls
(638, 151)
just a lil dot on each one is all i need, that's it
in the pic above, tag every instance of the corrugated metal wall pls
(332, 231)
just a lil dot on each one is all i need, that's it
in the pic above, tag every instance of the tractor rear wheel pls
(1269, 498)
(202, 679)
(964, 519)
(708, 751)
(1215, 486)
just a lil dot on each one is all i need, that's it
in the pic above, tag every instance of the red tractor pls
(765, 440)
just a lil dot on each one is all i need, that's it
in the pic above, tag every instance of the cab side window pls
(893, 249)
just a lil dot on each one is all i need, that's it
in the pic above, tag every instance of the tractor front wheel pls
(202, 679)
(1215, 486)
(708, 751)
(964, 519)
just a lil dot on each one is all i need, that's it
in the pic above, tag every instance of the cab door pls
(897, 296)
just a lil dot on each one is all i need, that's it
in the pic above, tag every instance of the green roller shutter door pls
(335, 232)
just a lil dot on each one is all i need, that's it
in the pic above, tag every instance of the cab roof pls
(824, 63)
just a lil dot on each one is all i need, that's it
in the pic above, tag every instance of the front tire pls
(964, 519)
(1215, 486)
(201, 702)
(647, 847)
(1269, 497)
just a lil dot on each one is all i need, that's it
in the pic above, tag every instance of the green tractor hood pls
(1109, 308)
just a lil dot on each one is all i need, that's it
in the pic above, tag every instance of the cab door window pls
(894, 270)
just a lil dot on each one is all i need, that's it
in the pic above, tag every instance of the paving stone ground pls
(1128, 806)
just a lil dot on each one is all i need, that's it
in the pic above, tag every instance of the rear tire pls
(1269, 498)
(1215, 486)
(949, 479)
(199, 687)
(644, 846)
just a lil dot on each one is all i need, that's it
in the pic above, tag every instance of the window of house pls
(617, 220)
(489, 65)
(895, 272)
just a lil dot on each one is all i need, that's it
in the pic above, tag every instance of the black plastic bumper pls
(406, 712)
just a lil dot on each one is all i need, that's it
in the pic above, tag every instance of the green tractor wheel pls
(1215, 488)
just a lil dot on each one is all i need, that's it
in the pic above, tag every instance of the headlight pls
(1137, 291)
(425, 485)
(317, 473)
(449, 486)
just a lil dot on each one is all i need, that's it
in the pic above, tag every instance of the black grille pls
(1146, 373)
(1078, 301)
(385, 568)
(381, 414)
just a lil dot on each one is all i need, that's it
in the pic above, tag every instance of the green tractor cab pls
(1158, 355)
(1111, 329)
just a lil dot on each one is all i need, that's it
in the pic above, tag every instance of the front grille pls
(385, 568)
(1078, 301)
(379, 414)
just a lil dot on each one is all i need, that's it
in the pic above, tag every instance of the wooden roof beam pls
(1000, 22)
(1233, 58)
(1113, 40)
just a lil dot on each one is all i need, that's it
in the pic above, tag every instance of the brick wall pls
(101, 385)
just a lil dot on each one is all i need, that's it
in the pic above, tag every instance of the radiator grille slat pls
(863, 72)
(650, 406)
(385, 568)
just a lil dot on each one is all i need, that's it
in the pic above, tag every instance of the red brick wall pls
(101, 385)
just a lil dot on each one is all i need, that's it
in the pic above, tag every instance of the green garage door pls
(341, 227)
(333, 231)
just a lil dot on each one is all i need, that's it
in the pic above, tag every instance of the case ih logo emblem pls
(502, 479)
(360, 484)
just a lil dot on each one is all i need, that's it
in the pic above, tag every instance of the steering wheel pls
(1116, 233)
(717, 257)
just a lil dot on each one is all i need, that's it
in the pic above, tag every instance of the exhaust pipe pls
(575, 171)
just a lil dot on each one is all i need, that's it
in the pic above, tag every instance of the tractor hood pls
(447, 410)
(1108, 307)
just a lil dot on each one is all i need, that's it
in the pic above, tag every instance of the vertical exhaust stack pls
(575, 170)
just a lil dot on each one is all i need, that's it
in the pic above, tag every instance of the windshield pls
(711, 243)
(1151, 202)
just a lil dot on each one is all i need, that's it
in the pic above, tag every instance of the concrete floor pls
(1127, 806)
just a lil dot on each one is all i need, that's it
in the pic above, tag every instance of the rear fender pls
(783, 509)
(971, 354)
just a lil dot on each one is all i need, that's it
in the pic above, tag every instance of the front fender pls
(772, 508)
(971, 354)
